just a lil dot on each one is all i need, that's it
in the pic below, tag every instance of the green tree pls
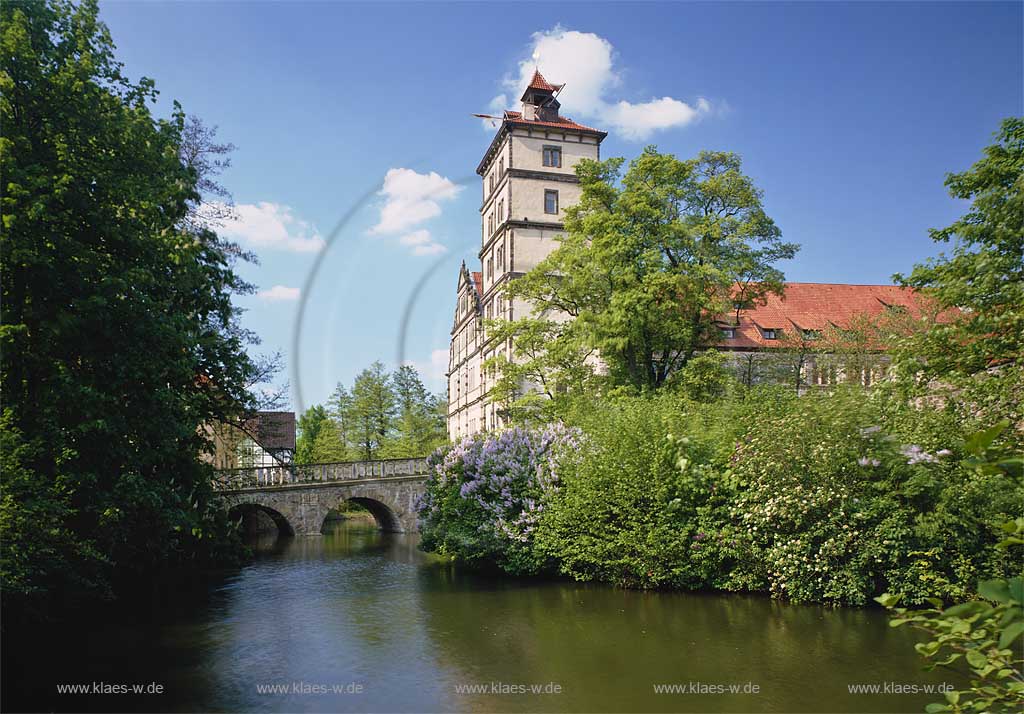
(328, 446)
(650, 262)
(419, 424)
(984, 275)
(372, 411)
(119, 338)
(311, 423)
(341, 406)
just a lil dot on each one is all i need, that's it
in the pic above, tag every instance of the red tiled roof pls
(538, 82)
(560, 123)
(478, 283)
(815, 306)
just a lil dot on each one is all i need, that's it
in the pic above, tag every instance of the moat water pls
(362, 621)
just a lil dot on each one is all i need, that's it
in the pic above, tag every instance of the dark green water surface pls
(379, 626)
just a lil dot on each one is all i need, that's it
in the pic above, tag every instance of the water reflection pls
(397, 630)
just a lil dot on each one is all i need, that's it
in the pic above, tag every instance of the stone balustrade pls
(310, 474)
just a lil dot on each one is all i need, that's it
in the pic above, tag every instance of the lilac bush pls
(487, 493)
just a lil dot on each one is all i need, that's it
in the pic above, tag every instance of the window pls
(501, 166)
(501, 307)
(823, 375)
(812, 334)
(729, 333)
(490, 224)
(490, 267)
(492, 182)
(501, 210)
(553, 156)
(770, 334)
(501, 257)
(550, 201)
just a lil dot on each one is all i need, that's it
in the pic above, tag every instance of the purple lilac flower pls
(867, 461)
(916, 455)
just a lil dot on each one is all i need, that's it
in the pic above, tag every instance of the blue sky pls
(848, 116)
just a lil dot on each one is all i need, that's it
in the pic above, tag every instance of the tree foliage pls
(650, 260)
(119, 338)
(984, 274)
(382, 416)
(309, 427)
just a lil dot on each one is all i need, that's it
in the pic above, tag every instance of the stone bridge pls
(298, 498)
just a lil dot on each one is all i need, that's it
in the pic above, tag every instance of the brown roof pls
(273, 430)
(538, 82)
(478, 283)
(816, 306)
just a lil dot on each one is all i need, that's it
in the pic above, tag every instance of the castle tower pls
(529, 179)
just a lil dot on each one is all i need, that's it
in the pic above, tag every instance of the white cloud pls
(411, 198)
(436, 369)
(422, 243)
(585, 63)
(279, 293)
(271, 226)
(638, 121)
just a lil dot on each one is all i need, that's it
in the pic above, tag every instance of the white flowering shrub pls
(838, 508)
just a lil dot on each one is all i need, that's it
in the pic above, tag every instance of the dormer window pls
(812, 334)
(770, 334)
(553, 156)
(729, 333)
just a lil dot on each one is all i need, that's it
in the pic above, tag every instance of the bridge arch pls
(252, 515)
(385, 516)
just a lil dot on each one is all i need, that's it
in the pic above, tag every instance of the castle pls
(528, 179)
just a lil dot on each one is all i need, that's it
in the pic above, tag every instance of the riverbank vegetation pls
(120, 342)
(830, 497)
(698, 480)
(382, 416)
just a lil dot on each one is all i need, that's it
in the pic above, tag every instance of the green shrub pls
(980, 638)
(837, 506)
(627, 511)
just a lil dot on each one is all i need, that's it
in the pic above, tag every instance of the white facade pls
(528, 180)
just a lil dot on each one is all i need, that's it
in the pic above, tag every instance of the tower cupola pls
(540, 99)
